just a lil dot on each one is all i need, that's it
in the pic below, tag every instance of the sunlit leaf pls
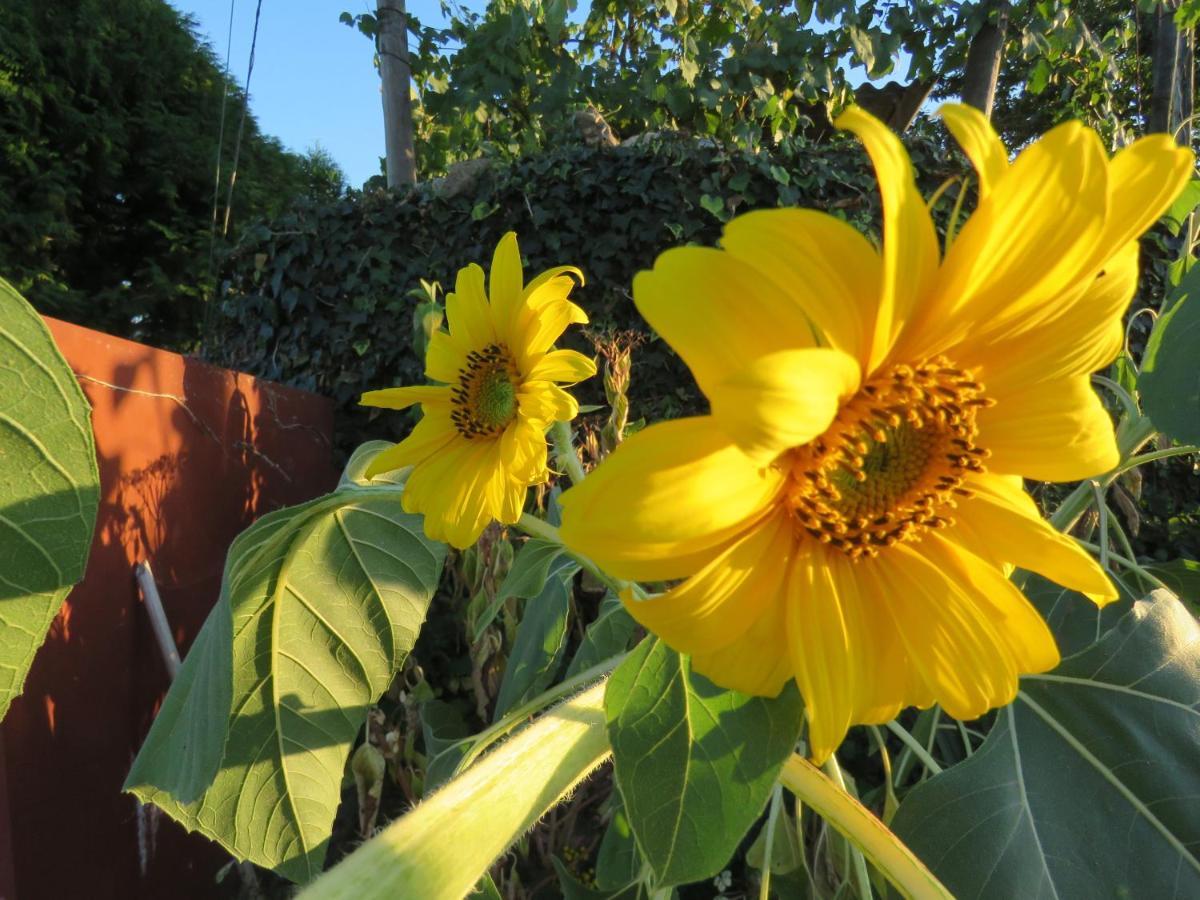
(320, 605)
(49, 486)
(1087, 785)
(695, 763)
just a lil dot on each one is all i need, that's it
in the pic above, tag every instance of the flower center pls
(893, 462)
(485, 398)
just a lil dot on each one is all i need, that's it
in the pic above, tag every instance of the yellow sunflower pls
(848, 513)
(482, 439)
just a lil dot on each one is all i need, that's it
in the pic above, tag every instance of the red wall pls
(189, 456)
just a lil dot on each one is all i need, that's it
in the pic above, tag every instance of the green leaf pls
(714, 205)
(617, 861)
(695, 764)
(49, 486)
(1170, 379)
(537, 561)
(609, 635)
(320, 604)
(1087, 784)
(538, 646)
(1175, 217)
(1076, 621)
(574, 889)
(1182, 576)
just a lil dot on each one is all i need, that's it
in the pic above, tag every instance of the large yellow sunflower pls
(849, 511)
(482, 439)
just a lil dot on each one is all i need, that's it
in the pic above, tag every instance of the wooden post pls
(397, 101)
(983, 60)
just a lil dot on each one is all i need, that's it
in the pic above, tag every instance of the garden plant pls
(816, 640)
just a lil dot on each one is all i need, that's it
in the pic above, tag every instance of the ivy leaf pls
(695, 764)
(49, 486)
(1086, 786)
(320, 604)
(714, 205)
(1170, 379)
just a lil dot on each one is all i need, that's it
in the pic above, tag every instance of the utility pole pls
(397, 103)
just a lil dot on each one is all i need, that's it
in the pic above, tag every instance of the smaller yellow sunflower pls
(482, 440)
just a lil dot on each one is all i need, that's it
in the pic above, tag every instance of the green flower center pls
(485, 399)
(893, 462)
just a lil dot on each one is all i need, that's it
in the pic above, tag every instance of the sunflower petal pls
(467, 311)
(910, 250)
(1084, 334)
(1144, 179)
(1051, 430)
(979, 141)
(1016, 623)
(446, 358)
(717, 312)
(1029, 240)
(950, 641)
(783, 399)
(722, 601)
(1002, 523)
(826, 641)
(755, 663)
(820, 263)
(434, 433)
(667, 501)
(451, 491)
(565, 366)
(404, 397)
(506, 287)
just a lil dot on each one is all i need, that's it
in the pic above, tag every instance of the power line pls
(212, 243)
(237, 147)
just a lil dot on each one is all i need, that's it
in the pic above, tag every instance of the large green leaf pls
(695, 763)
(320, 605)
(539, 644)
(1087, 785)
(49, 486)
(1170, 379)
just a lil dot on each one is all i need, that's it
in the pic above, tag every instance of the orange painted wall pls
(189, 456)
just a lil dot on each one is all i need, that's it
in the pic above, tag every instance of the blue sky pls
(314, 81)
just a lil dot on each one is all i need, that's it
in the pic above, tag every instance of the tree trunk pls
(983, 60)
(397, 101)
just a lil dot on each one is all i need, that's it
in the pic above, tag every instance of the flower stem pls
(915, 746)
(564, 451)
(535, 527)
(440, 849)
(862, 881)
(859, 826)
(480, 742)
(1077, 502)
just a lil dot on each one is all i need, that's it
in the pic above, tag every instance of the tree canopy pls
(109, 117)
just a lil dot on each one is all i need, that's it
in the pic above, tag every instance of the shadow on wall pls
(189, 456)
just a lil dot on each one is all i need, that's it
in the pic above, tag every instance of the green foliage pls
(1086, 784)
(320, 605)
(695, 763)
(538, 648)
(509, 80)
(49, 486)
(109, 112)
(1169, 382)
(310, 290)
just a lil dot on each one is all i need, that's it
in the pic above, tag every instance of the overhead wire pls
(237, 146)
